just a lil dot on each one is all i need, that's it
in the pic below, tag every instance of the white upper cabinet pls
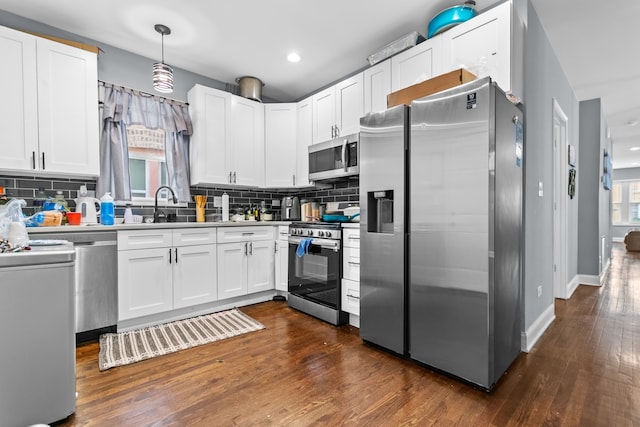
(377, 85)
(227, 146)
(417, 64)
(50, 113)
(490, 44)
(304, 138)
(280, 144)
(210, 110)
(337, 110)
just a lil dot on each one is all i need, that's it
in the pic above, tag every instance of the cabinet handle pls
(354, 237)
(33, 159)
(169, 255)
(234, 178)
(229, 181)
(276, 247)
(352, 296)
(294, 179)
(43, 168)
(246, 249)
(332, 132)
(248, 233)
(353, 263)
(176, 252)
(250, 248)
(337, 131)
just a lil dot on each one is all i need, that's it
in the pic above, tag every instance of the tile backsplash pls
(25, 187)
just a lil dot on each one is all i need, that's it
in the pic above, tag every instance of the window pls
(147, 162)
(625, 202)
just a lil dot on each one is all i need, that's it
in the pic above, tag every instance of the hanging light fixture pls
(162, 73)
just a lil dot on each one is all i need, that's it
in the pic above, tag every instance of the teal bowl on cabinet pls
(450, 17)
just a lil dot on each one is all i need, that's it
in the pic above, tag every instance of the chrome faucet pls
(156, 215)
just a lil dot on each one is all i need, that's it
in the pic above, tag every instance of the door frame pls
(560, 143)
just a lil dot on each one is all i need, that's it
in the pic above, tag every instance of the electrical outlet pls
(539, 291)
(540, 189)
(275, 202)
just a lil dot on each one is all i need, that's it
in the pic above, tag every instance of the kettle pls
(87, 206)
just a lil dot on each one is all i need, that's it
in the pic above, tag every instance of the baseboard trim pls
(589, 280)
(530, 337)
(573, 285)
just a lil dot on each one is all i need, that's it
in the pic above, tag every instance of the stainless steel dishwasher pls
(96, 277)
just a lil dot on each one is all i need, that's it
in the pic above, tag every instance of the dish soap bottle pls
(61, 205)
(107, 214)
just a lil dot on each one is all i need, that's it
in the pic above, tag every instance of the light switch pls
(540, 190)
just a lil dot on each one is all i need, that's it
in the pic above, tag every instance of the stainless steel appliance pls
(290, 209)
(315, 272)
(334, 159)
(38, 358)
(463, 208)
(96, 279)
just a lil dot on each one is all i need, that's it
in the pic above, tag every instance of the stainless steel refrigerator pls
(462, 257)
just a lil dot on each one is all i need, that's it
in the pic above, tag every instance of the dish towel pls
(303, 247)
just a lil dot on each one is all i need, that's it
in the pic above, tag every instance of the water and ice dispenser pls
(380, 212)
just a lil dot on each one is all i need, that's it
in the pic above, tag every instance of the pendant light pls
(162, 73)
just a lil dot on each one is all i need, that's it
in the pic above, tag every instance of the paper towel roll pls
(225, 207)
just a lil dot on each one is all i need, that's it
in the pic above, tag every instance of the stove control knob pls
(320, 233)
(310, 233)
(327, 234)
(293, 231)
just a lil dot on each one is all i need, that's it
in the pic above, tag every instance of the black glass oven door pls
(316, 275)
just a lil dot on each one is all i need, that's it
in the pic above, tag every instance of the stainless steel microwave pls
(336, 158)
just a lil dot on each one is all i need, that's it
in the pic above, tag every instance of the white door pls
(195, 280)
(67, 109)
(282, 265)
(349, 104)
(324, 115)
(280, 144)
(417, 64)
(210, 111)
(19, 106)
(144, 282)
(260, 271)
(377, 85)
(246, 147)
(232, 269)
(560, 182)
(304, 138)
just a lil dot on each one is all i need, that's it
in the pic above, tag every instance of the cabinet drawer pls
(351, 296)
(194, 236)
(143, 239)
(351, 237)
(351, 264)
(244, 234)
(283, 232)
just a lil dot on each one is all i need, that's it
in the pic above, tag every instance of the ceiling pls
(228, 39)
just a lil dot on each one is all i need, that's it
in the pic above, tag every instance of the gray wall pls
(618, 231)
(544, 81)
(595, 205)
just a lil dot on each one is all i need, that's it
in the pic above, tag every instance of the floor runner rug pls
(133, 346)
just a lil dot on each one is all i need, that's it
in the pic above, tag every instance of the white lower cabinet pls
(351, 271)
(161, 270)
(282, 259)
(245, 260)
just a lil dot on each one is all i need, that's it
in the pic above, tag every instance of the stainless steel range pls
(315, 270)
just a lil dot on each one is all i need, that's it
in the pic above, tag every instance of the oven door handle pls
(323, 243)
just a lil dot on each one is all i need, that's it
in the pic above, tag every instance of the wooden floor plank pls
(584, 371)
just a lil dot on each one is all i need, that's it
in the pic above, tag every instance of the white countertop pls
(143, 226)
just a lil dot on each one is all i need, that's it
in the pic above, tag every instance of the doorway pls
(560, 181)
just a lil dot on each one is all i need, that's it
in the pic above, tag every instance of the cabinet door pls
(246, 147)
(482, 45)
(349, 104)
(195, 280)
(282, 265)
(260, 271)
(304, 140)
(232, 269)
(417, 64)
(280, 144)
(144, 282)
(351, 296)
(377, 85)
(324, 115)
(19, 109)
(67, 109)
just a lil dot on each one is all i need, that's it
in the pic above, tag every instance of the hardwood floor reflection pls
(299, 371)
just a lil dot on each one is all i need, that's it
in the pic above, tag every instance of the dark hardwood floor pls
(584, 371)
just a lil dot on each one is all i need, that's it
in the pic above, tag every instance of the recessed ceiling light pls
(293, 57)
(634, 148)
